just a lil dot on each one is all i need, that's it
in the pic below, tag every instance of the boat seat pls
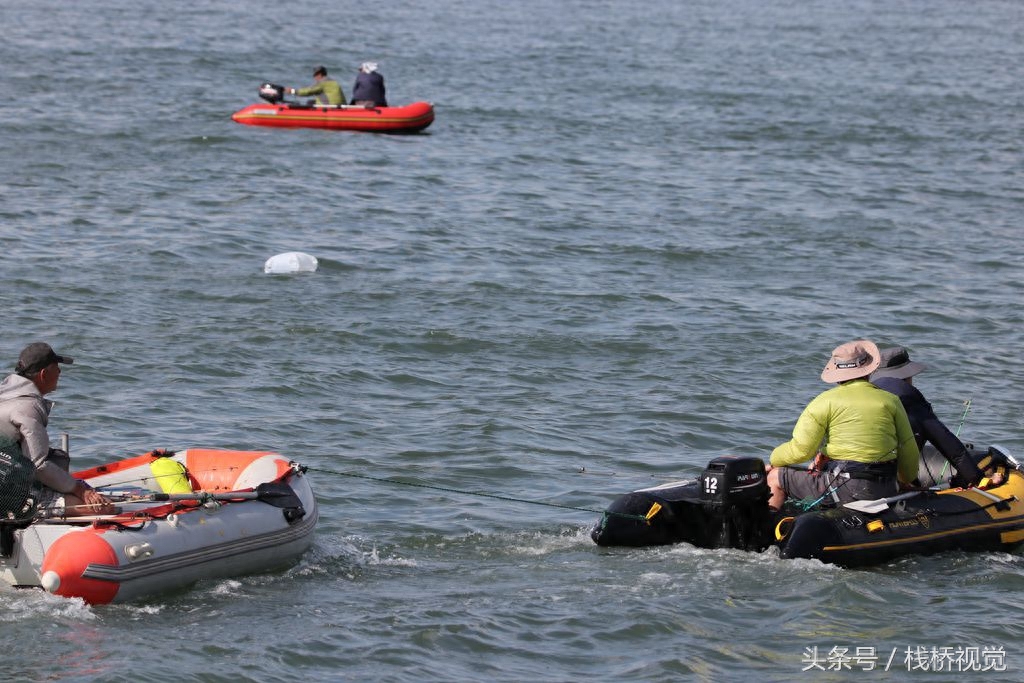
(266, 469)
(995, 467)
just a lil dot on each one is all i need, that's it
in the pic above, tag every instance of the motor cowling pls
(734, 492)
(272, 93)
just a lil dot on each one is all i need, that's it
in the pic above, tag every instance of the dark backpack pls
(17, 474)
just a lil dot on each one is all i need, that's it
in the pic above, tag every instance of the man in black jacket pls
(369, 87)
(895, 375)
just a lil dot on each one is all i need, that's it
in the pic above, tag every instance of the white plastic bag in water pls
(290, 262)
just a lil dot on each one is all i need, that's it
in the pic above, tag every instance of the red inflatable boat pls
(278, 113)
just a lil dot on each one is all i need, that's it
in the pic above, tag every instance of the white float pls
(290, 262)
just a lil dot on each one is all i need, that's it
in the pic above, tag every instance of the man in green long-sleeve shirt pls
(326, 89)
(860, 438)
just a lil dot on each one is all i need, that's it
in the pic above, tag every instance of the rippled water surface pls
(626, 246)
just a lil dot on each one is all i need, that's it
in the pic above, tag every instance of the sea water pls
(626, 246)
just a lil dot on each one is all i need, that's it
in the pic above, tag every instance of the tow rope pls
(605, 513)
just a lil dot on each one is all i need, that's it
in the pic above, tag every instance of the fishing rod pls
(963, 418)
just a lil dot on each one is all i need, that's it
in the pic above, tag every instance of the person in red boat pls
(24, 414)
(326, 89)
(369, 86)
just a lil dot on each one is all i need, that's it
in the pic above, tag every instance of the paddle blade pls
(874, 506)
(868, 506)
(278, 494)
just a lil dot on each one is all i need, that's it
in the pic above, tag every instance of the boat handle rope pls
(294, 468)
(150, 477)
(783, 528)
(1001, 505)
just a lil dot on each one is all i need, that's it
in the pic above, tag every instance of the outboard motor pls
(272, 93)
(734, 492)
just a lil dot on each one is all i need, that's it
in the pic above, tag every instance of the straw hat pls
(851, 360)
(896, 363)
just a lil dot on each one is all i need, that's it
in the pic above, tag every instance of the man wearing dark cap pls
(895, 374)
(24, 414)
(326, 89)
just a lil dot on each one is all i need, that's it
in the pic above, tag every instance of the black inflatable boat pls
(727, 507)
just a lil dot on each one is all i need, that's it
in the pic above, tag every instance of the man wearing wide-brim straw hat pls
(858, 436)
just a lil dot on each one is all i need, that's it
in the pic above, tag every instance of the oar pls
(277, 494)
(873, 506)
(1002, 504)
(317, 105)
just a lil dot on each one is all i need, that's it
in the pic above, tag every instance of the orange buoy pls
(65, 563)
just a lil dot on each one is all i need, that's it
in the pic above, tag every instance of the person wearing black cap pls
(895, 374)
(326, 89)
(24, 414)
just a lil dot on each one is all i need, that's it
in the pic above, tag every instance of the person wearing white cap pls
(369, 87)
(857, 435)
(895, 374)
